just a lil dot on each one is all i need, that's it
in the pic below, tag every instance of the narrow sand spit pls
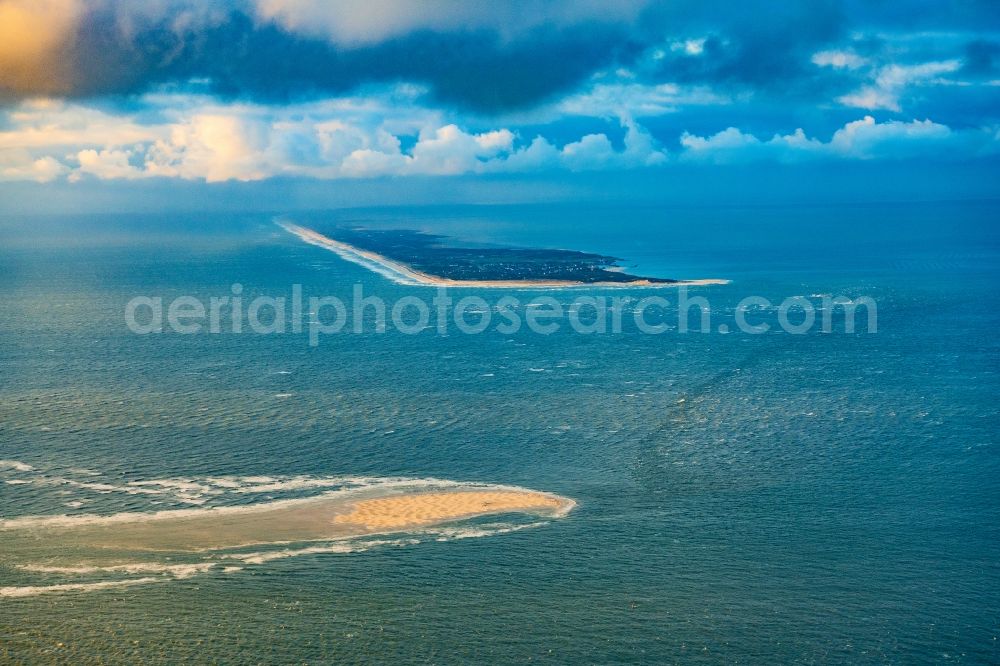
(327, 516)
(403, 274)
(64, 554)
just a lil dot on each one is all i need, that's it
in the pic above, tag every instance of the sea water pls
(763, 498)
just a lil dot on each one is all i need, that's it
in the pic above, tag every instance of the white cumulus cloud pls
(860, 139)
(391, 134)
(200, 139)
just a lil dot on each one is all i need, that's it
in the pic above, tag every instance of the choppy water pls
(755, 498)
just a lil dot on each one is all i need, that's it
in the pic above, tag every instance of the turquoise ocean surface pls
(741, 498)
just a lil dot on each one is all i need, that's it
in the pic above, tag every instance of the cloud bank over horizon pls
(249, 90)
(196, 138)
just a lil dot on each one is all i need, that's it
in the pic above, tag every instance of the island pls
(415, 257)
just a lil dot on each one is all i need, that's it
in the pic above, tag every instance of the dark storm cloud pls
(756, 44)
(242, 58)
(119, 47)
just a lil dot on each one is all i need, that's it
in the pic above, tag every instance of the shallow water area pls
(125, 548)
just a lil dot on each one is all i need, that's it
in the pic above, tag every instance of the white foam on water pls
(231, 563)
(342, 487)
(16, 465)
(342, 547)
(196, 490)
(223, 482)
(35, 590)
(362, 544)
(235, 562)
(298, 483)
(175, 570)
(225, 560)
(479, 531)
(95, 486)
(63, 520)
(386, 268)
(183, 485)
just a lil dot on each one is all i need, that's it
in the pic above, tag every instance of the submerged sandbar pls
(329, 516)
(84, 553)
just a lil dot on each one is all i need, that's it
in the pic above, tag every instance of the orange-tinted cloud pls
(34, 36)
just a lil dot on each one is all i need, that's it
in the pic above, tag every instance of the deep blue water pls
(826, 497)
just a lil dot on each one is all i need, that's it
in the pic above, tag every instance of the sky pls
(118, 103)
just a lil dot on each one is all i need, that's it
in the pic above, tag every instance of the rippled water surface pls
(760, 498)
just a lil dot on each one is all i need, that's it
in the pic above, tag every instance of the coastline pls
(84, 553)
(401, 273)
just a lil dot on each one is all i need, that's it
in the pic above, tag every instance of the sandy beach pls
(408, 511)
(403, 274)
